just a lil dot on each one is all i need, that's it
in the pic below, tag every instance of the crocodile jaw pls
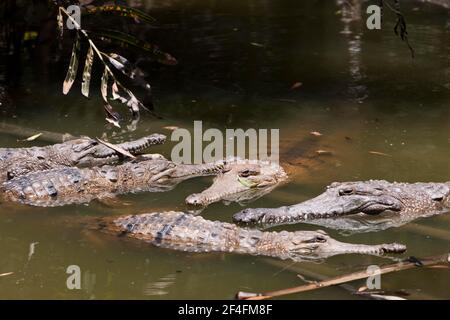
(335, 247)
(213, 194)
(327, 205)
(242, 180)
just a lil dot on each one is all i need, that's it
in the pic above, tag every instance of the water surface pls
(237, 63)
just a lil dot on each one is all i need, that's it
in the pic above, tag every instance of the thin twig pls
(404, 265)
(116, 148)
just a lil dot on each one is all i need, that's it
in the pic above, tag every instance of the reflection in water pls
(351, 13)
(360, 223)
(159, 287)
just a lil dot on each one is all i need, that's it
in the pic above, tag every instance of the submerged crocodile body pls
(185, 232)
(402, 202)
(70, 185)
(83, 152)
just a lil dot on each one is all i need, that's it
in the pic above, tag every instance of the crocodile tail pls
(134, 147)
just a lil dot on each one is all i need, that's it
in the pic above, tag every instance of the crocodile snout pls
(194, 200)
(393, 248)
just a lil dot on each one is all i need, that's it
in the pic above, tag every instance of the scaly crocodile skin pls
(69, 185)
(403, 202)
(83, 152)
(180, 231)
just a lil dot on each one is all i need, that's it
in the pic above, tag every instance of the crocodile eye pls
(247, 172)
(244, 173)
(346, 191)
(320, 239)
(317, 239)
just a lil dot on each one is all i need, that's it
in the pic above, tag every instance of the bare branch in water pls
(403, 265)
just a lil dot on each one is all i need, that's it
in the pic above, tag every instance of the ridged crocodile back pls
(43, 188)
(180, 231)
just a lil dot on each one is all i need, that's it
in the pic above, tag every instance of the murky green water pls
(237, 64)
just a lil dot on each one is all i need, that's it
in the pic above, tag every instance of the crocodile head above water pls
(312, 245)
(242, 180)
(367, 197)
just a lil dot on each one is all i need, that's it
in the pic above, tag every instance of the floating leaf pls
(104, 85)
(32, 250)
(33, 137)
(122, 11)
(171, 128)
(6, 274)
(73, 67)
(87, 72)
(324, 152)
(377, 153)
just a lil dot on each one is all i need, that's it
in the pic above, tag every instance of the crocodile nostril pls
(193, 200)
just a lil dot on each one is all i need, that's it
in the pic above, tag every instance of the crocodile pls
(403, 202)
(72, 185)
(82, 152)
(186, 232)
(245, 180)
